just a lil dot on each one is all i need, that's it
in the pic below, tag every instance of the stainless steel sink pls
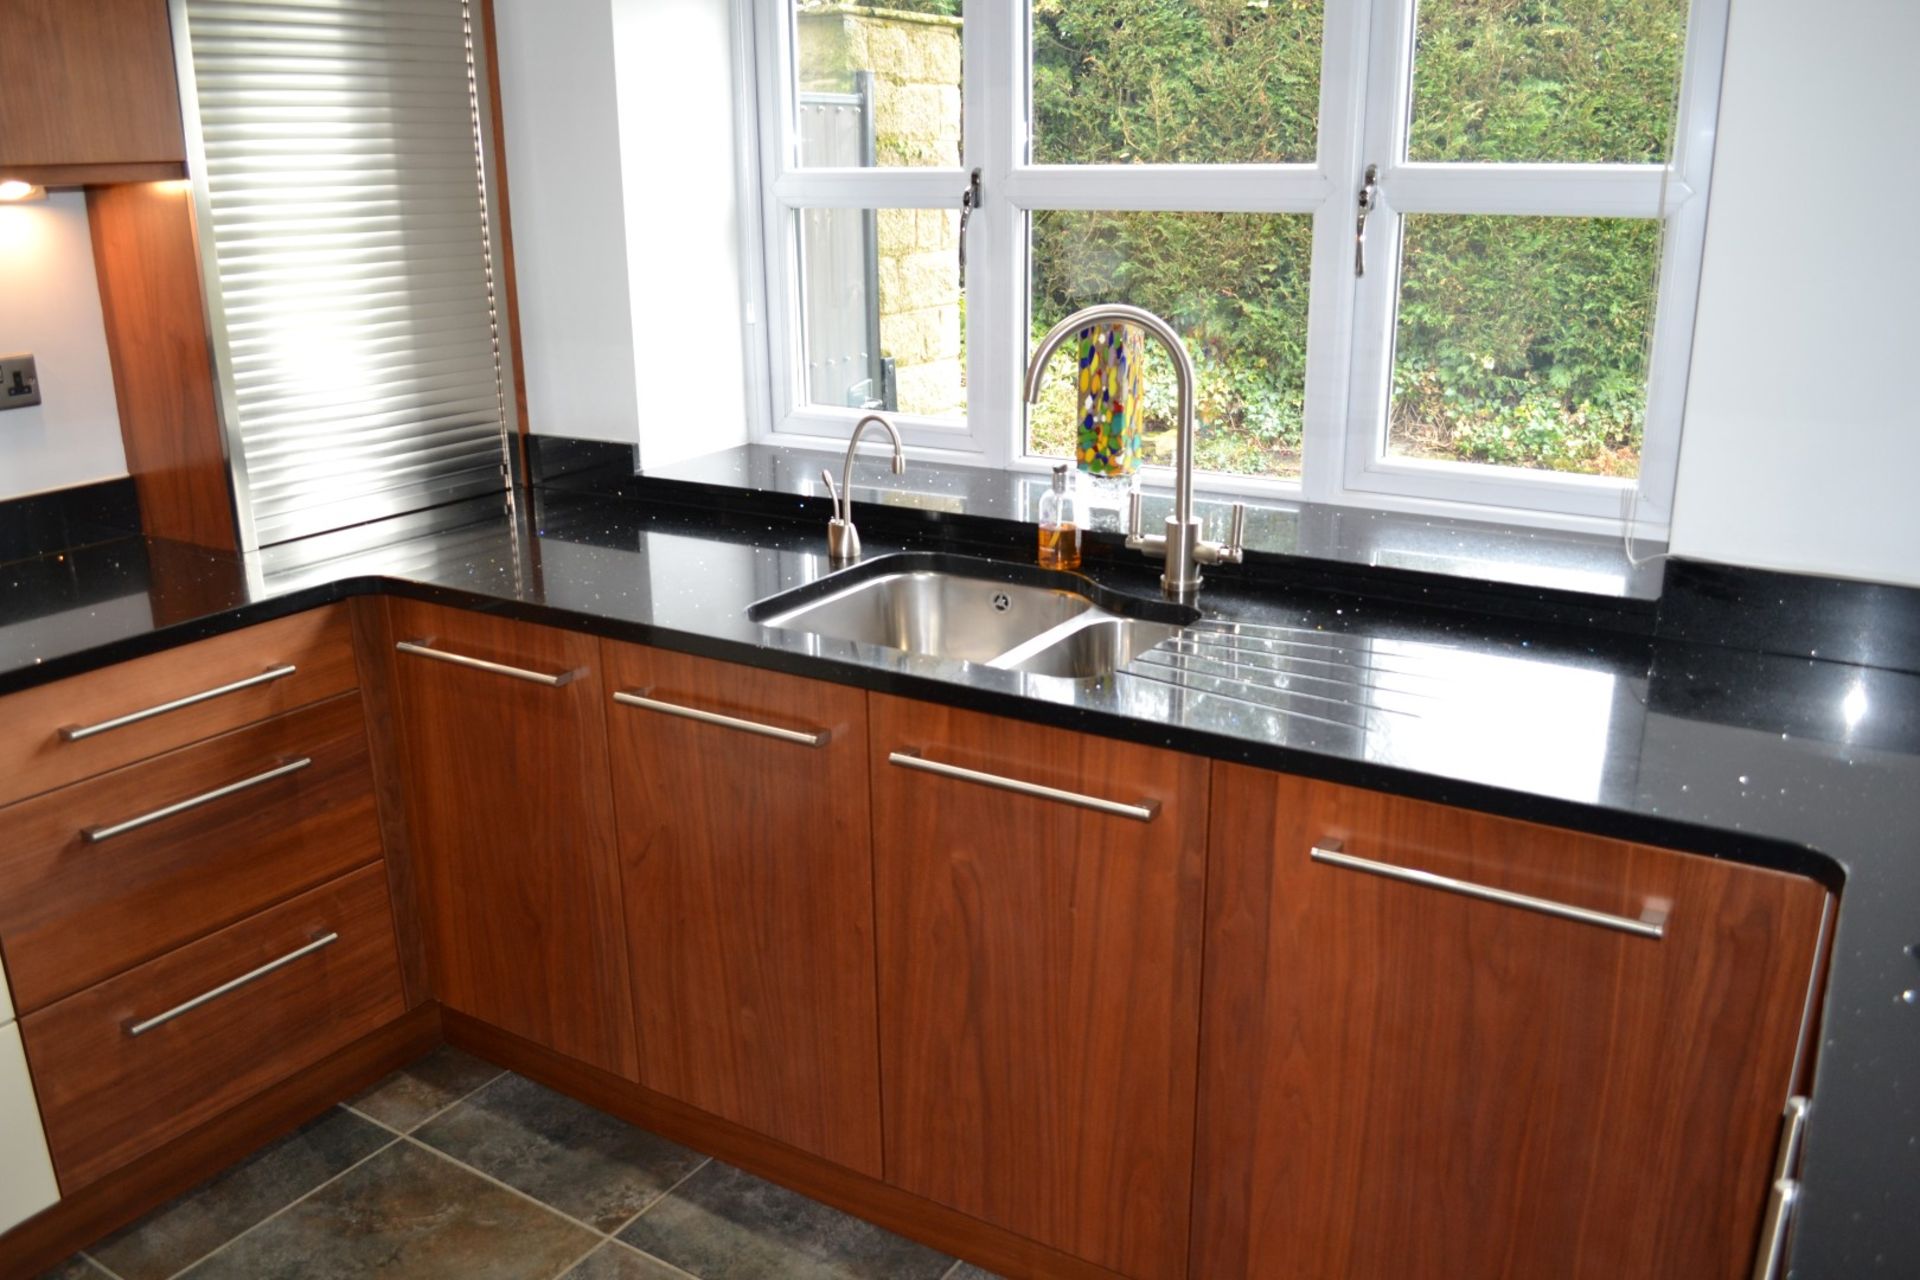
(1094, 647)
(927, 611)
(1003, 615)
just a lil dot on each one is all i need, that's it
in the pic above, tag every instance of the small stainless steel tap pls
(843, 540)
(1181, 546)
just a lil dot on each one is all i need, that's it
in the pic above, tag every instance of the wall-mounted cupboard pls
(87, 93)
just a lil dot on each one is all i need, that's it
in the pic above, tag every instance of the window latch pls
(1369, 201)
(969, 201)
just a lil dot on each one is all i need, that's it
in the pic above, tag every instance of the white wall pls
(1801, 448)
(50, 306)
(674, 60)
(620, 157)
(569, 229)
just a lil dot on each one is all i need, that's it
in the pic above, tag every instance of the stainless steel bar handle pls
(1143, 812)
(78, 732)
(233, 984)
(1793, 1128)
(94, 835)
(1652, 925)
(1773, 1229)
(419, 650)
(803, 738)
(1785, 1193)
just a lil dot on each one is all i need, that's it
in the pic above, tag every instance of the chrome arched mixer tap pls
(1181, 546)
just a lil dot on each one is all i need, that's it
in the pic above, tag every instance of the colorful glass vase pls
(1112, 398)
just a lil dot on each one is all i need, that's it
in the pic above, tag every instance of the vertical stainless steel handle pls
(1793, 1128)
(640, 698)
(420, 650)
(79, 732)
(1651, 925)
(1142, 812)
(1784, 1196)
(1234, 549)
(94, 835)
(232, 984)
(1773, 1231)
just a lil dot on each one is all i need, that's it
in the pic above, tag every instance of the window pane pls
(1233, 284)
(883, 323)
(1522, 342)
(1175, 81)
(1546, 81)
(877, 84)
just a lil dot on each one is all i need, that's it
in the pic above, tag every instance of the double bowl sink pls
(1007, 616)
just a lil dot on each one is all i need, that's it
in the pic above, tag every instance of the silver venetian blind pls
(339, 162)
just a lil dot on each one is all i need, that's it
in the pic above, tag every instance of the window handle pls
(969, 201)
(1369, 201)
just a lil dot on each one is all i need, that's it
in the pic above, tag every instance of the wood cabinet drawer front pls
(1039, 967)
(1413, 1079)
(748, 873)
(72, 729)
(76, 907)
(286, 998)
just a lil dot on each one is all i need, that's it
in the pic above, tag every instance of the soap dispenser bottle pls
(1060, 522)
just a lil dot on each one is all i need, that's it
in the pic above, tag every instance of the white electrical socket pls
(19, 382)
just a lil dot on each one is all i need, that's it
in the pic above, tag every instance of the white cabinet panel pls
(26, 1172)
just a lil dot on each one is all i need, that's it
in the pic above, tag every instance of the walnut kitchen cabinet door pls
(749, 885)
(1401, 1081)
(87, 85)
(502, 742)
(1040, 978)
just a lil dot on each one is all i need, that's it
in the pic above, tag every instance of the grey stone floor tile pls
(414, 1093)
(724, 1224)
(78, 1268)
(614, 1261)
(195, 1224)
(406, 1214)
(563, 1153)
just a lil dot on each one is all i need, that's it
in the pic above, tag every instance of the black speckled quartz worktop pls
(1799, 763)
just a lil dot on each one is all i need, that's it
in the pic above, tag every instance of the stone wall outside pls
(915, 60)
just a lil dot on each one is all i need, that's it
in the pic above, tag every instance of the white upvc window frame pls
(1365, 89)
(1674, 193)
(786, 189)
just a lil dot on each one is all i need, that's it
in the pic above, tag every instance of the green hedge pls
(1520, 341)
